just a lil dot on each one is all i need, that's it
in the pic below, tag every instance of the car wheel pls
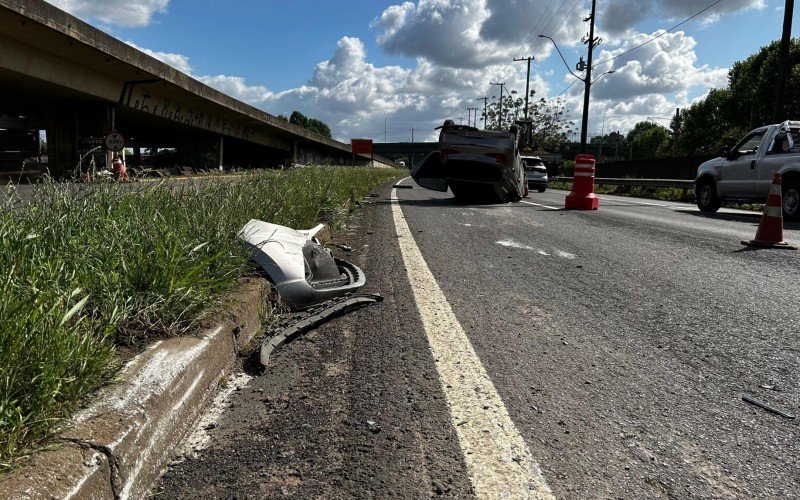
(541, 189)
(707, 199)
(791, 200)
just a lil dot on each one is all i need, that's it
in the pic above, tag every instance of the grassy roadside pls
(85, 270)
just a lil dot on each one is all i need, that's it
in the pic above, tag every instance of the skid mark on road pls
(510, 243)
(499, 462)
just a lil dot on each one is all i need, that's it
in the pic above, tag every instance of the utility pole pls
(527, 81)
(500, 118)
(591, 42)
(780, 96)
(469, 115)
(485, 107)
(676, 131)
(384, 130)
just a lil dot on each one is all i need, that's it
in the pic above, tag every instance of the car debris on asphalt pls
(769, 408)
(308, 277)
(304, 272)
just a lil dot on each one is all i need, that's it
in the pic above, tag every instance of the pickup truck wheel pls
(707, 199)
(791, 201)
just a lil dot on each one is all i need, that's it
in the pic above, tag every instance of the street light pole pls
(527, 82)
(500, 118)
(588, 80)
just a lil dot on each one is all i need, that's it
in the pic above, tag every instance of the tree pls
(550, 125)
(725, 115)
(301, 120)
(708, 125)
(648, 140)
(548, 122)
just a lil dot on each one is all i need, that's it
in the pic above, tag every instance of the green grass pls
(86, 269)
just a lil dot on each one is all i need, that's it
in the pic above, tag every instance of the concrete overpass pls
(77, 82)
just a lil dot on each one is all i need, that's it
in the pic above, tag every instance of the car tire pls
(791, 200)
(541, 189)
(707, 199)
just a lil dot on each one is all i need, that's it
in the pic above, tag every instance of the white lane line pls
(645, 203)
(498, 461)
(565, 255)
(539, 205)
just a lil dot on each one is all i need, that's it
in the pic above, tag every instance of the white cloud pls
(460, 46)
(623, 15)
(126, 13)
(665, 66)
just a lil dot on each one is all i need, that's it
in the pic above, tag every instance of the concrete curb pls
(118, 447)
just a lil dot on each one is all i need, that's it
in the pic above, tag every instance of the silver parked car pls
(535, 173)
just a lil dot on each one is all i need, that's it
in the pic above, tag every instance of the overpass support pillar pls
(62, 140)
(221, 151)
(67, 122)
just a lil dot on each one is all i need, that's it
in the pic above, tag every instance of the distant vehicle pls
(535, 173)
(19, 150)
(477, 165)
(401, 164)
(745, 172)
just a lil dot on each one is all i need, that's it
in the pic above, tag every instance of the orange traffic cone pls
(770, 229)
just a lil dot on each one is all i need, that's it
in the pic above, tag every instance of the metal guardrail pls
(628, 181)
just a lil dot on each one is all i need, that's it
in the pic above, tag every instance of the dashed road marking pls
(499, 463)
(631, 202)
(565, 255)
(539, 205)
(510, 243)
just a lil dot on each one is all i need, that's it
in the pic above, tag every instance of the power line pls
(562, 19)
(525, 42)
(527, 38)
(659, 35)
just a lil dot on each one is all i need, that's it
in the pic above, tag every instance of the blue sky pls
(359, 64)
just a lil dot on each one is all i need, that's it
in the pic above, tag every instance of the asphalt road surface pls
(546, 352)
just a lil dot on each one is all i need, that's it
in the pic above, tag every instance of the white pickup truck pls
(745, 172)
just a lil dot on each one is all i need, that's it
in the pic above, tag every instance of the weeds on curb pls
(85, 268)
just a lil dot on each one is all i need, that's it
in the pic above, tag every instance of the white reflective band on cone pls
(772, 211)
(583, 174)
(775, 189)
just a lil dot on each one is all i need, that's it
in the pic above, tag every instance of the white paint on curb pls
(156, 376)
(200, 438)
(156, 436)
(498, 461)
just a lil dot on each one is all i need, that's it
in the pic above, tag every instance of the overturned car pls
(475, 164)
